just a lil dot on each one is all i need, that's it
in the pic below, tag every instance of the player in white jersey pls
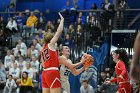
(66, 66)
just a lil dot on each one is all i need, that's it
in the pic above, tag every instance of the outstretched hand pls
(61, 17)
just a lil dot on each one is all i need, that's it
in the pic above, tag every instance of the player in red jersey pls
(121, 59)
(50, 75)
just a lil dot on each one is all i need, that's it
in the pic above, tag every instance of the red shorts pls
(51, 79)
(125, 88)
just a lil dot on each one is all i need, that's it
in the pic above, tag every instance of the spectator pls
(34, 52)
(35, 67)
(67, 7)
(81, 17)
(2, 75)
(40, 32)
(11, 8)
(86, 88)
(18, 51)
(21, 64)
(3, 38)
(79, 22)
(94, 6)
(106, 88)
(68, 41)
(41, 21)
(31, 23)
(15, 72)
(121, 6)
(29, 70)
(91, 20)
(86, 76)
(103, 77)
(67, 13)
(26, 85)
(19, 20)
(7, 59)
(22, 46)
(106, 4)
(10, 85)
(75, 3)
(2, 23)
(49, 26)
(79, 35)
(39, 39)
(71, 31)
(37, 45)
(13, 60)
(12, 26)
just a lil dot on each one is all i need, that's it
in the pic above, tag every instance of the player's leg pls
(46, 90)
(45, 87)
(66, 86)
(55, 86)
(55, 90)
(117, 92)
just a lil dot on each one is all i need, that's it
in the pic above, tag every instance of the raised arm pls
(58, 32)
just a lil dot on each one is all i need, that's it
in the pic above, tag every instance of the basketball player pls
(50, 75)
(135, 66)
(66, 66)
(121, 59)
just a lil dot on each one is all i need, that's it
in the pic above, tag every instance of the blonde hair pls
(47, 37)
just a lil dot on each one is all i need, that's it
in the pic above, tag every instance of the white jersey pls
(64, 76)
(64, 71)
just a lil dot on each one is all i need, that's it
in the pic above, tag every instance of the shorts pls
(125, 88)
(51, 79)
(65, 85)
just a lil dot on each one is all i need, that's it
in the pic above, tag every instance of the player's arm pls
(77, 64)
(58, 32)
(136, 55)
(135, 60)
(81, 61)
(74, 71)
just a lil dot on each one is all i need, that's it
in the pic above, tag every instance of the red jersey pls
(49, 57)
(121, 70)
(124, 83)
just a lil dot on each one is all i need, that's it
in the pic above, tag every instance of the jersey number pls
(45, 55)
(67, 72)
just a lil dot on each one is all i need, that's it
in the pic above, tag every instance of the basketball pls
(89, 60)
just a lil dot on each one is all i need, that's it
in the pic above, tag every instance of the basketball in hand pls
(89, 60)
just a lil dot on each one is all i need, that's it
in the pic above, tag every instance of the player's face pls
(115, 56)
(66, 50)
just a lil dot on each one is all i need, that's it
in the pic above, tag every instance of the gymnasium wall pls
(134, 3)
(53, 5)
(56, 5)
(4, 4)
